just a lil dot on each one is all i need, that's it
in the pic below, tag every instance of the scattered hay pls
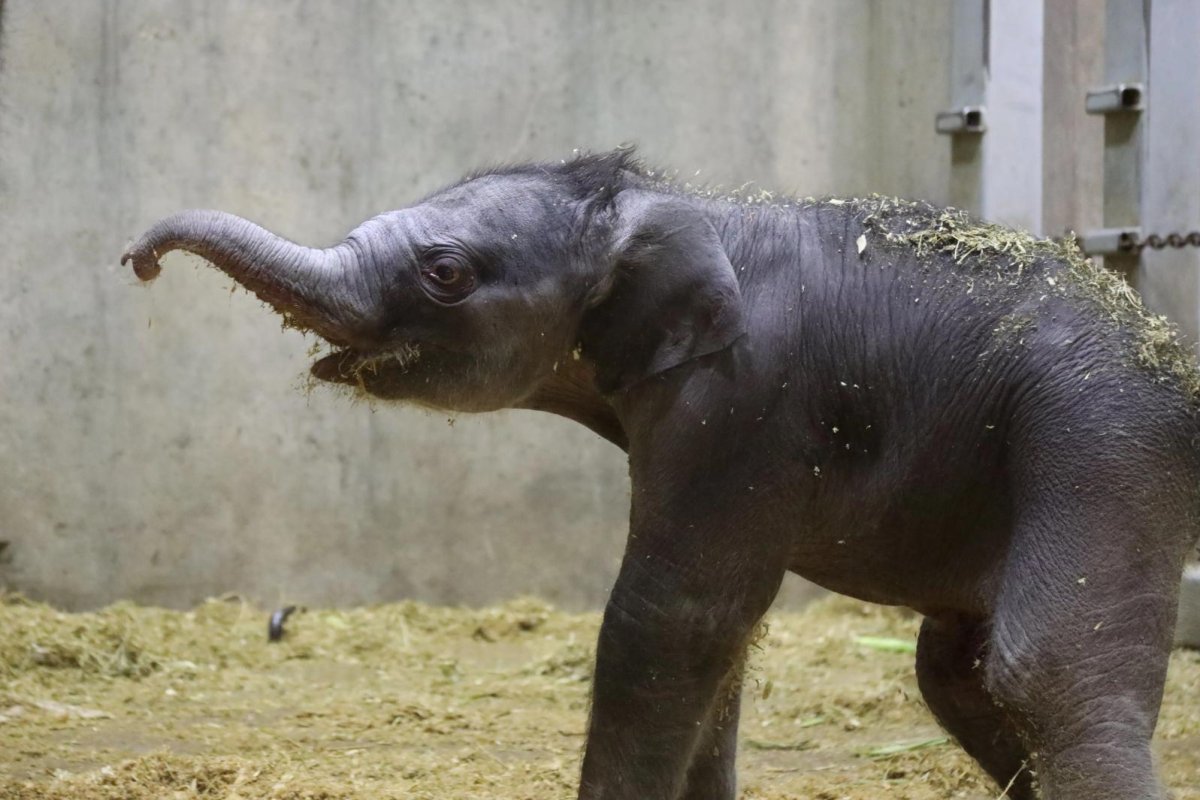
(412, 701)
(899, 748)
(108, 645)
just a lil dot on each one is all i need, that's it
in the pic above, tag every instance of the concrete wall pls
(155, 442)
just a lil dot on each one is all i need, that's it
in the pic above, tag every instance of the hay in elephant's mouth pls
(350, 366)
(409, 700)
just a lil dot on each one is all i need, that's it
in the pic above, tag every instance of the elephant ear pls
(671, 295)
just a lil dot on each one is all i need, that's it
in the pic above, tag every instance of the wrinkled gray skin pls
(788, 403)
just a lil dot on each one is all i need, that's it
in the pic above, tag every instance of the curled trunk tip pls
(145, 261)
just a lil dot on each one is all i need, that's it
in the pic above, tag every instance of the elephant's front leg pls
(674, 631)
(712, 774)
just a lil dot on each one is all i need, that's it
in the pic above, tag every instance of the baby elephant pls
(893, 400)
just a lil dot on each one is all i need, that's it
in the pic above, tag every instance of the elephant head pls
(542, 286)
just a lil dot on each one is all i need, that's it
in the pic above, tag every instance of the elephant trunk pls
(317, 290)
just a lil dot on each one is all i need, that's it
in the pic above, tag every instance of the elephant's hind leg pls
(1086, 704)
(1080, 639)
(1104, 493)
(950, 672)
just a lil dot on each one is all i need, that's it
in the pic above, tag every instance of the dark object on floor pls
(275, 626)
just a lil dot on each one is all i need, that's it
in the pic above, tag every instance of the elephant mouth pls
(356, 367)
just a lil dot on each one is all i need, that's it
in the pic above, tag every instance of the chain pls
(1156, 242)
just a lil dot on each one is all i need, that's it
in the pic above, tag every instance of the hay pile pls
(409, 701)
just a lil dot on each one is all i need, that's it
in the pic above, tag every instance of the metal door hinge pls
(1119, 97)
(968, 119)
(1105, 241)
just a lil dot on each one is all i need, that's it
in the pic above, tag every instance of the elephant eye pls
(448, 278)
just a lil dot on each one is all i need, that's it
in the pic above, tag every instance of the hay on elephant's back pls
(1002, 256)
